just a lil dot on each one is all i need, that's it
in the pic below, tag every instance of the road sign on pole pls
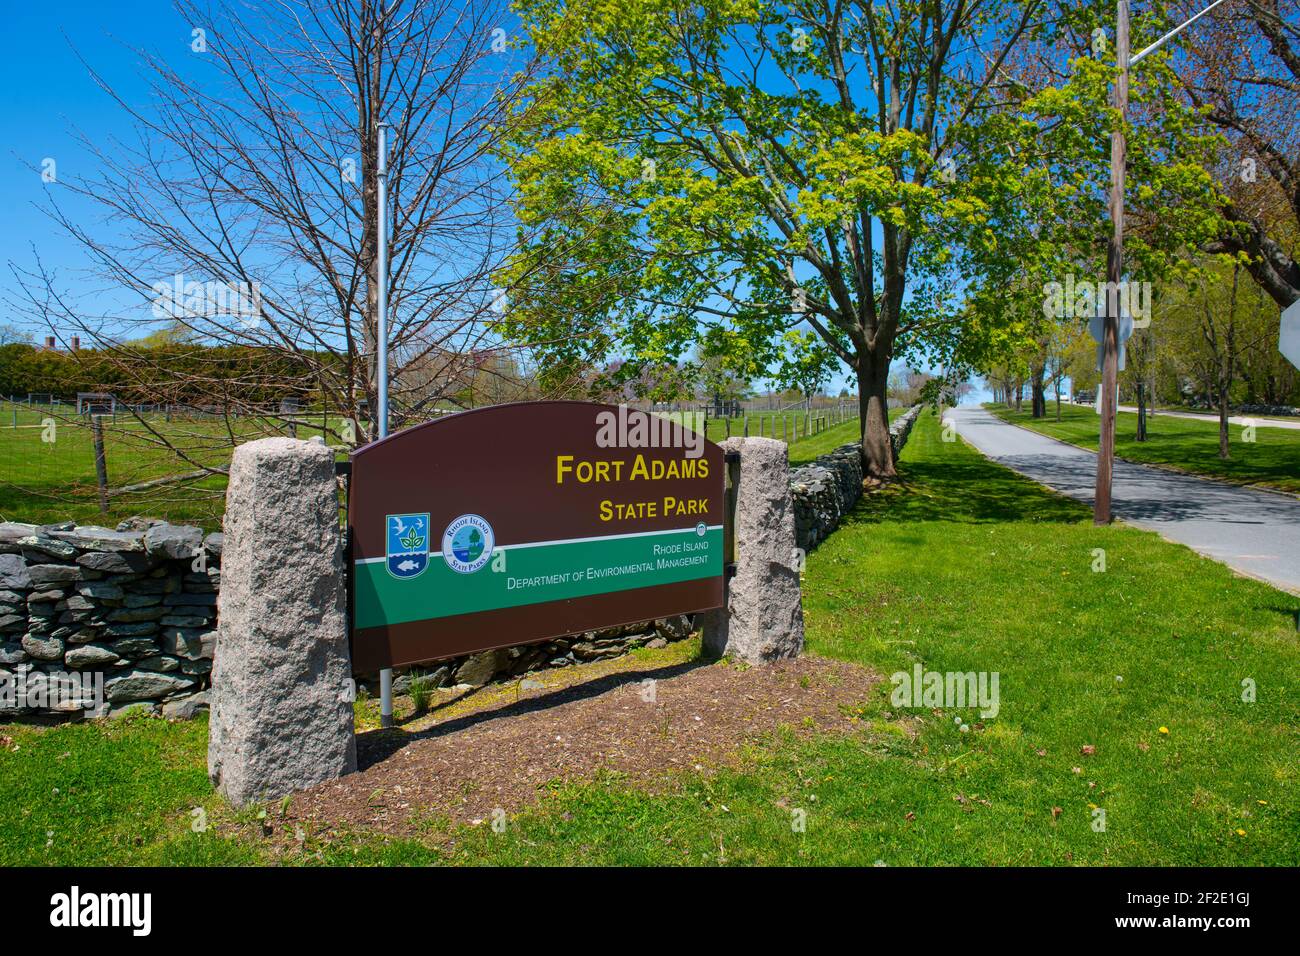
(1096, 328)
(1288, 338)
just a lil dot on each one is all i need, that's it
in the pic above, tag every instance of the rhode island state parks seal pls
(467, 544)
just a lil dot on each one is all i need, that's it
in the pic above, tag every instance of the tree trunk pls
(1223, 422)
(1020, 394)
(1142, 412)
(873, 382)
(369, 117)
(1039, 402)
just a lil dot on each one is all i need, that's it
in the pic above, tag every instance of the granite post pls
(764, 618)
(281, 703)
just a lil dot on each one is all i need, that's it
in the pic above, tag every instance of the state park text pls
(638, 468)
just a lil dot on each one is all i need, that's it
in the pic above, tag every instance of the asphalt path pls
(1254, 532)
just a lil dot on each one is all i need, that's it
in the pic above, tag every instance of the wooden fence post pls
(101, 466)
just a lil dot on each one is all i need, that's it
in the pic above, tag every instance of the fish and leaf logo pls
(408, 545)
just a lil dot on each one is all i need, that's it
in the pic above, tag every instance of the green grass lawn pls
(109, 793)
(48, 474)
(1272, 459)
(962, 566)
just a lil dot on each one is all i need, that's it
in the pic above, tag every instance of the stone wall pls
(136, 605)
(901, 427)
(479, 669)
(827, 489)
(129, 603)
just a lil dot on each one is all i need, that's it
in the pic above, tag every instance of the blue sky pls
(51, 101)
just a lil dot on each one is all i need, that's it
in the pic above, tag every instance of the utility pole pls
(1114, 275)
(1108, 398)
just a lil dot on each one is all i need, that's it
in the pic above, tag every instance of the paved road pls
(1255, 532)
(1234, 419)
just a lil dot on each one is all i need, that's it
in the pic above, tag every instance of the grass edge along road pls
(1191, 446)
(1120, 690)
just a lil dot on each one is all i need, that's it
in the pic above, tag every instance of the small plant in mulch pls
(255, 816)
(421, 692)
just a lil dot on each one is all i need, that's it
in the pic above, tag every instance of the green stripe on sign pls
(551, 572)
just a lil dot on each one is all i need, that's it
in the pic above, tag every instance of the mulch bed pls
(464, 766)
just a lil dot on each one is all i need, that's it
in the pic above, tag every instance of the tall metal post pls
(381, 321)
(381, 304)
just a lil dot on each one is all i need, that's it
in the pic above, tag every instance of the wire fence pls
(169, 461)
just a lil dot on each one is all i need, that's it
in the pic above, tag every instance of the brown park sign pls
(519, 523)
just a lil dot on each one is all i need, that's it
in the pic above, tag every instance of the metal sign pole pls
(381, 320)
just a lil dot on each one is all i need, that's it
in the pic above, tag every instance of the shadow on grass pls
(967, 489)
(375, 746)
(1291, 614)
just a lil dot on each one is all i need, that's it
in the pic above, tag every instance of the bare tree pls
(1243, 69)
(10, 334)
(244, 212)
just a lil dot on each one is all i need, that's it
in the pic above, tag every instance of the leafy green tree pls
(13, 377)
(723, 366)
(806, 363)
(887, 175)
(1241, 67)
(1212, 326)
(11, 334)
(1172, 206)
(757, 166)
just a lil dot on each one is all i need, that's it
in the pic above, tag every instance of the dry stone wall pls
(135, 604)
